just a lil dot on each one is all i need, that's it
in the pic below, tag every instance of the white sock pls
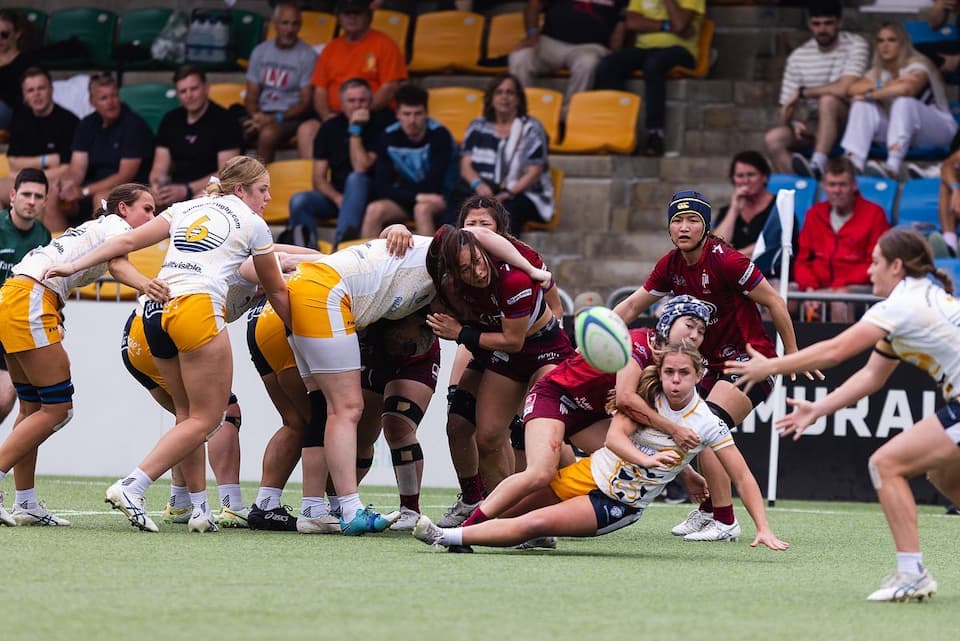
(858, 161)
(819, 160)
(452, 536)
(137, 482)
(268, 498)
(179, 497)
(199, 501)
(911, 562)
(949, 237)
(230, 495)
(350, 504)
(334, 502)
(26, 498)
(313, 507)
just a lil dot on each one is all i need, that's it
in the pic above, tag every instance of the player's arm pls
(633, 405)
(143, 236)
(732, 461)
(633, 305)
(273, 285)
(124, 271)
(618, 441)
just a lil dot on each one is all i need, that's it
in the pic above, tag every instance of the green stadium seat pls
(152, 100)
(36, 19)
(91, 27)
(246, 32)
(140, 27)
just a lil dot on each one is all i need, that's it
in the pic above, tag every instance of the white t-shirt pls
(807, 66)
(636, 486)
(922, 322)
(70, 245)
(209, 239)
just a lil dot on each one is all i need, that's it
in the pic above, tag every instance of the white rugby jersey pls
(637, 486)
(209, 239)
(381, 285)
(241, 295)
(922, 322)
(70, 245)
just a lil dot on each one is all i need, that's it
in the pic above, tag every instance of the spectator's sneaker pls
(654, 145)
(716, 531)
(36, 516)
(803, 167)
(5, 518)
(951, 509)
(278, 519)
(904, 586)
(541, 542)
(878, 170)
(427, 532)
(407, 521)
(201, 522)
(366, 520)
(694, 522)
(134, 506)
(176, 514)
(457, 513)
(939, 246)
(915, 171)
(233, 518)
(326, 524)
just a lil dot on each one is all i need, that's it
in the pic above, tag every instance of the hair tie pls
(214, 181)
(103, 204)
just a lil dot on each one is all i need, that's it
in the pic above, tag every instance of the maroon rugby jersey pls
(722, 277)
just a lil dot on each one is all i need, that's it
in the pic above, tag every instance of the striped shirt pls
(504, 160)
(808, 66)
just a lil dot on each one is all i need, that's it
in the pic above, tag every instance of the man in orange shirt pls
(359, 52)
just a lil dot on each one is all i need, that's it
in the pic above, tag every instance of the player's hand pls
(157, 290)
(664, 459)
(803, 415)
(770, 540)
(685, 437)
(749, 372)
(444, 326)
(59, 269)
(541, 276)
(696, 485)
(399, 239)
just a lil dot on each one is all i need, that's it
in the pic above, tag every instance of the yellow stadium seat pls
(601, 122)
(395, 24)
(455, 108)
(287, 177)
(505, 32)
(545, 106)
(556, 175)
(147, 261)
(228, 93)
(444, 41)
(4, 166)
(318, 28)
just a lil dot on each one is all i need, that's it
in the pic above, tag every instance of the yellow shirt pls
(655, 10)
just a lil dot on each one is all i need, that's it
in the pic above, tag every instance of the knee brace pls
(463, 403)
(404, 407)
(236, 420)
(516, 434)
(874, 474)
(61, 392)
(66, 419)
(406, 454)
(316, 428)
(212, 432)
(364, 463)
(27, 393)
(721, 413)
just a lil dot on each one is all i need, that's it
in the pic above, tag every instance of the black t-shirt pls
(128, 137)
(194, 147)
(589, 21)
(34, 136)
(10, 76)
(333, 143)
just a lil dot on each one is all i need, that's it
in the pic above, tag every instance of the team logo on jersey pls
(203, 233)
(705, 282)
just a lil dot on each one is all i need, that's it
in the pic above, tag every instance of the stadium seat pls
(318, 28)
(806, 189)
(545, 106)
(140, 27)
(444, 41)
(505, 30)
(92, 28)
(246, 32)
(287, 177)
(228, 93)
(601, 122)
(919, 205)
(395, 24)
(147, 261)
(882, 191)
(455, 108)
(702, 64)
(952, 267)
(921, 33)
(152, 100)
(4, 166)
(556, 174)
(37, 20)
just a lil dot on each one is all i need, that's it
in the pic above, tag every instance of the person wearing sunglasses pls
(13, 63)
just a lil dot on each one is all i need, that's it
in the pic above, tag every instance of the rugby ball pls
(603, 339)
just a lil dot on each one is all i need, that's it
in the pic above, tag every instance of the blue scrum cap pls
(689, 201)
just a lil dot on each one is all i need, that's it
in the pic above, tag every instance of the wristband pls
(189, 191)
(279, 117)
(85, 192)
(879, 84)
(355, 129)
(43, 161)
(469, 337)
(475, 183)
(665, 26)
(954, 186)
(532, 31)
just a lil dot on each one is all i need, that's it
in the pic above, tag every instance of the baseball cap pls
(585, 300)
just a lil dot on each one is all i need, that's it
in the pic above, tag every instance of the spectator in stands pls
(813, 96)
(278, 83)
(345, 148)
(413, 168)
(358, 52)
(945, 54)
(575, 36)
(504, 155)
(949, 208)
(194, 140)
(41, 135)
(900, 101)
(667, 36)
(13, 63)
(743, 220)
(836, 242)
(111, 146)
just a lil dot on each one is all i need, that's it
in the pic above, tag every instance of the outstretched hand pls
(803, 415)
(770, 540)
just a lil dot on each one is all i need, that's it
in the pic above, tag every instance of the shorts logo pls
(529, 403)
